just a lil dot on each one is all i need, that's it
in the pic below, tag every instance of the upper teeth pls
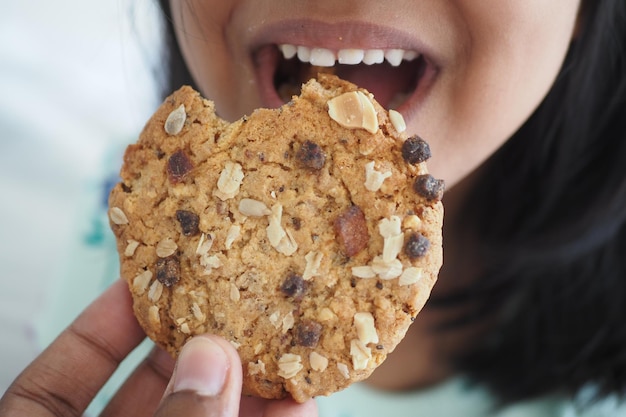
(323, 57)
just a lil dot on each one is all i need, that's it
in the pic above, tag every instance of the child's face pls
(486, 64)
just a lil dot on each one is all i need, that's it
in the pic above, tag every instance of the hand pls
(64, 379)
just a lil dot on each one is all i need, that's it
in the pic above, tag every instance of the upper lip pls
(337, 36)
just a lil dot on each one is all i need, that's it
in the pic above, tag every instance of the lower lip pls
(266, 60)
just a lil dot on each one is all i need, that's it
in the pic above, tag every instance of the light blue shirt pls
(457, 397)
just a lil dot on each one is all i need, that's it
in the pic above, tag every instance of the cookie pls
(308, 236)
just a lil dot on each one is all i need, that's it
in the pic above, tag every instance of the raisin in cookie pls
(308, 236)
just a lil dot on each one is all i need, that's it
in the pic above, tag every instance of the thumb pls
(206, 380)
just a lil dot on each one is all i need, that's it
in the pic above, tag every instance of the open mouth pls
(396, 77)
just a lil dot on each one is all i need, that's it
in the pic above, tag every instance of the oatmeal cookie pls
(308, 236)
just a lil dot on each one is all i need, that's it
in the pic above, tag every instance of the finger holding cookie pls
(66, 377)
(205, 381)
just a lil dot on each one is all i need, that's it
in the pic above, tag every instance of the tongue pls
(383, 80)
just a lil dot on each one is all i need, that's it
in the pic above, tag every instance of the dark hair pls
(550, 211)
(177, 72)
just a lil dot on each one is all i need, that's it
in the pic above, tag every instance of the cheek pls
(511, 56)
(203, 35)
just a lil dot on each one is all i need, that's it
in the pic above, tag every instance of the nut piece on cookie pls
(397, 120)
(229, 182)
(365, 328)
(318, 362)
(354, 110)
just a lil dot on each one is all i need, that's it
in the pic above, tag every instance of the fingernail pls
(202, 366)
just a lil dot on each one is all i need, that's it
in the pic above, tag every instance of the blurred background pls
(78, 79)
